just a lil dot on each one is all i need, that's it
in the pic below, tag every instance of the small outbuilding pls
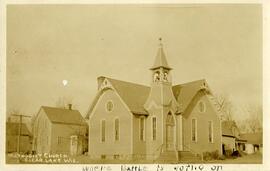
(55, 131)
(13, 139)
(254, 142)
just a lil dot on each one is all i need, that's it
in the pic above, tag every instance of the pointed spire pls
(160, 58)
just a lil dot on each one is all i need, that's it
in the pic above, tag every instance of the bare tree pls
(225, 107)
(253, 123)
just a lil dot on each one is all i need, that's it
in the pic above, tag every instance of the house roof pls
(160, 60)
(65, 116)
(227, 128)
(12, 128)
(184, 93)
(134, 95)
(253, 138)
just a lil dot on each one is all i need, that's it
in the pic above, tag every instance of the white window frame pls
(106, 106)
(212, 131)
(142, 117)
(152, 126)
(101, 134)
(204, 106)
(115, 129)
(196, 130)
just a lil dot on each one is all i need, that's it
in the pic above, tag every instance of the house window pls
(142, 128)
(103, 131)
(154, 128)
(116, 129)
(202, 106)
(116, 156)
(194, 130)
(210, 131)
(59, 140)
(109, 106)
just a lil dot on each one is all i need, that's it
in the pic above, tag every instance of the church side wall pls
(139, 146)
(202, 144)
(110, 148)
(154, 147)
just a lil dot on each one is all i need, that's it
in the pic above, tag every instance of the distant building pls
(12, 136)
(128, 120)
(254, 142)
(231, 139)
(57, 130)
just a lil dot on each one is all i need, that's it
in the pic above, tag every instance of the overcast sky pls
(50, 43)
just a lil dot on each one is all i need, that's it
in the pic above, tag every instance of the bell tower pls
(161, 69)
(161, 94)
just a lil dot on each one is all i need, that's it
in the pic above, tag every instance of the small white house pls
(253, 142)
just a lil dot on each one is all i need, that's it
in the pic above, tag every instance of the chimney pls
(70, 106)
(100, 81)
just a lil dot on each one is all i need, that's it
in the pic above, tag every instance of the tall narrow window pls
(142, 128)
(194, 130)
(154, 128)
(210, 131)
(59, 141)
(103, 131)
(116, 129)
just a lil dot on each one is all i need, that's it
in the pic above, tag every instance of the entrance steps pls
(187, 156)
(168, 157)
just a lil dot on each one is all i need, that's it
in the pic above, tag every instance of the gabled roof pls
(160, 60)
(65, 116)
(227, 128)
(134, 95)
(184, 93)
(12, 128)
(253, 138)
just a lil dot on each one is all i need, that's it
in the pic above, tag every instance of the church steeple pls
(161, 69)
(161, 95)
(161, 60)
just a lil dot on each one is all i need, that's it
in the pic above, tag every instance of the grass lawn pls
(255, 158)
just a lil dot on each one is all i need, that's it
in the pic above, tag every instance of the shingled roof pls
(253, 138)
(184, 93)
(135, 95)
(12, 128)
(160, 60)
(65, 116)
(227, 128)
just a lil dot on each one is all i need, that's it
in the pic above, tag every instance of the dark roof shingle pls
(134, 95)
(253, 138)
(65, 116)
(184, 93)
(227, 128)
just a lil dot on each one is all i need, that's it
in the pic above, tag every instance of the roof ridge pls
(127, 82)
(59, 108)
(203, 79)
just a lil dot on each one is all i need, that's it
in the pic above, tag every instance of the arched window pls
(157, 76)
(165, 76)
(109, 106)
(202, 107)
(116, 129)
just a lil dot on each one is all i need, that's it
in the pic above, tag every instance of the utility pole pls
(20, 130)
